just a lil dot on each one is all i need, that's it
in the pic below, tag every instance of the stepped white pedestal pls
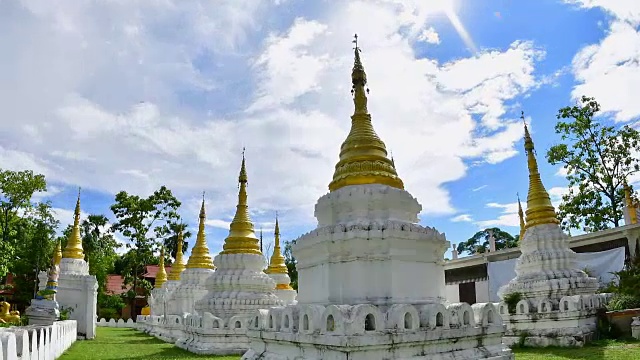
(559, 304)
(371, 286)
(43, 312)
(236, 290)
(78, 292)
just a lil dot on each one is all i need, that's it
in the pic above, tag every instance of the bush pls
(622, 302)
(627, 287)
(512, 301)
(110, 302)
(109, 314)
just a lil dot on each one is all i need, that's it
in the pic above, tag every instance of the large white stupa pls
(550, 301)
(371, 279)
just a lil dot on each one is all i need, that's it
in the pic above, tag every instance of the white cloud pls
(462, 218)
(128, 103)
(610, 70)
(429, 35)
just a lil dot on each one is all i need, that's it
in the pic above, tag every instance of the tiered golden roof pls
(200, 257)
(57, 255)
(363, 156)
(539, 208)
(178, 266)
(73, 250)
(242, 238)
(277, 264)
(521, 216)
(161, 275)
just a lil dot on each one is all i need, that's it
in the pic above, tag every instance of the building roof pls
(152, 270)
(114, 285)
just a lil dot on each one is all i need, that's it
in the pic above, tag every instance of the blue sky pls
(130, 96)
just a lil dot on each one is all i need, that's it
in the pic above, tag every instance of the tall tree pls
(171, 241)
(99, 245)
(479, 242)
(598, 160)
(143, 221)
(16, 190)
(291, 264)
(35, 234)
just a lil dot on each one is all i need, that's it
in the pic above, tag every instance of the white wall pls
(452, 293)
(482, 291)
(117, 324)
(37, 342)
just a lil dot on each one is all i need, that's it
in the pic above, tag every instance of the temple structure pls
(550, 301)
(371, 279)
(77, 290)
(44, 308)
(237, 288)
(157, 299)
(279, 272)
(191, 288)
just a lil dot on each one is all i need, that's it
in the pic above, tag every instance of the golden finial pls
(57, 254)
(73, 250)
(363, 156)
(242, 239)
(277, 264)
(178, 266)
(630, 204)
(539, 208)
(521, 216)
(200, 257)
(161, 275)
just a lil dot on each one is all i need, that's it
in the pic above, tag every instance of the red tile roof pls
(114, 285)
(152, 271)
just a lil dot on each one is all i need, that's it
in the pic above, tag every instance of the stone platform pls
(337, 332)
(569, 322)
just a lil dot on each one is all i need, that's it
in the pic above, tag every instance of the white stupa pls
(371, 279)
(557, 303)
(237, 288)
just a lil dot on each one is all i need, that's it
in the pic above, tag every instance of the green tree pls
(171, 241)
(598, 160)
(479, 242)
(35, 235)
(143, 221)
(16, 188)
(291, 264)
(99, 245)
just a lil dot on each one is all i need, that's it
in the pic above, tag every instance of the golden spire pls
(242, 239)
(178, 266)
(277, 264)
(200, 257)
(161, 275)
(539, 208)
(631, 206)
(73, 250)
(363, 156)
(57, 255)
(521, 216)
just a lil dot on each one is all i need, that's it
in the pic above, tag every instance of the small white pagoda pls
(371, 279)
(550, 301)
(236, 289)
(191, 287)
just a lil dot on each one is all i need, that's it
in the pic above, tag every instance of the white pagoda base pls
(364, 332)
(43, 312)
(237, 289)
(78, 293)
(570, 322)
(371, 286)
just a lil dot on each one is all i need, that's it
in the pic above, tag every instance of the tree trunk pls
(36, 283)
(132, 310)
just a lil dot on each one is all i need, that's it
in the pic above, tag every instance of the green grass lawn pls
(112, 343)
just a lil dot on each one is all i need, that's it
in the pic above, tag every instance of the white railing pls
(37, 342)
(117, 324)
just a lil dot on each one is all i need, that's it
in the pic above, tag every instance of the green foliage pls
(291, 264)
(65, 313)
(107, 314)
(171, 242)
(626, 287)
(35, 243)
(598, 159)
(479, 242)
(110, 301)
(145, 222)
(512, 300)
(16, 190)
